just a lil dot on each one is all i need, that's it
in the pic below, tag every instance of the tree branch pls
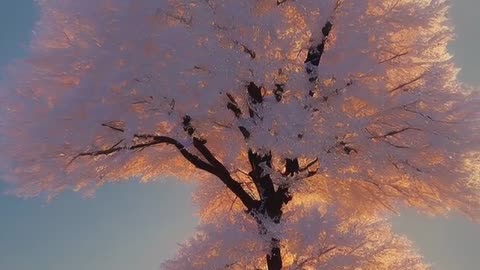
(393, 57)
(200, 146)
(112, 125)
(245, 49)
(262, 180)
(393, 132)
(406, 83)
(216, 168)
(310, 164)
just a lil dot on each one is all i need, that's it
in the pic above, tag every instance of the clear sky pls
(452, 244)
(135, 226)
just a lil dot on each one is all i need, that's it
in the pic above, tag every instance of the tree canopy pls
(302, 122)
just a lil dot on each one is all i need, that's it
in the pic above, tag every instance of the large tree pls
(302, 121)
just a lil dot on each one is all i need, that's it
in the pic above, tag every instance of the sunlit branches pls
(211, 165)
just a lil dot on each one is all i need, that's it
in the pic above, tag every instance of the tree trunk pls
(271, 201)
(274, 259)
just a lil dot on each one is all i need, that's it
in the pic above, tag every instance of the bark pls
(274, 259)
(271, 198)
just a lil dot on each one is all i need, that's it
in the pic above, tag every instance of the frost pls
(274, 108)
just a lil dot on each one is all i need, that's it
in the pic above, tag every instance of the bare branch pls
(233, 202)
(200, 146)
(393, 132)
(246, 49)
(320, 254)
(115, 148)
(233, 106)
(309, 165)
(154, 140)
(393, 57)
(424, 115)
(255, 93)
(115, 125)
(315, 52)
(244, 131)
(216, 168)
(407, 83)
(396, 145)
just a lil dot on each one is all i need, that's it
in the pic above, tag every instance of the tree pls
(287, 113)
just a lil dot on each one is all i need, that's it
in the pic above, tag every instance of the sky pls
(136, 226)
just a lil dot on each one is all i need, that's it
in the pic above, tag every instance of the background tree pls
(276, 108)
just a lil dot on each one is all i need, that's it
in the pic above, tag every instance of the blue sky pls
(126, 226)
(135, 226)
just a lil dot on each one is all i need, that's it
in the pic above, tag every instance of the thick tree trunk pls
(274, 259)
(271, 199)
